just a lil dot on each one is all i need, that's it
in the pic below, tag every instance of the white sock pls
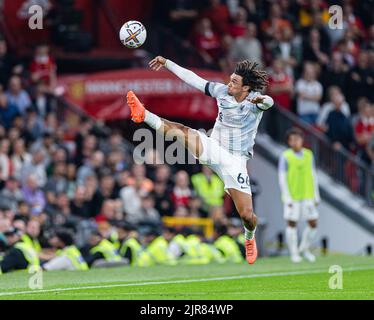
(307, 239)
(249, 234)
(152, 120)
(291, 237)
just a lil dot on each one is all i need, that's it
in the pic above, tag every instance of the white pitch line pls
(137, 284)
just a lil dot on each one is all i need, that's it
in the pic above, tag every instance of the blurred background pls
(66, 141)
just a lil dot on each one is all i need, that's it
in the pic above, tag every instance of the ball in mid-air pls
(133, 34)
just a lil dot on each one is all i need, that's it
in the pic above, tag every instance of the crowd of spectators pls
(323, 74)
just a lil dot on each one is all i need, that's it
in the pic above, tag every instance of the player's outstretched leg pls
(187, 136)
(243, 203)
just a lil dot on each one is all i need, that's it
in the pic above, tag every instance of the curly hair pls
(254, 78)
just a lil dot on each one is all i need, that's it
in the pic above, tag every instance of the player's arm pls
(282, 177)
(185, 75)
(263, 102)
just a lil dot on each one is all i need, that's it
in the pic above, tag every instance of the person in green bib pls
(226, 245)
(20, 256)
(101, 250)
(300, 194)
(209, 187)
(32, 234)
(68, 256)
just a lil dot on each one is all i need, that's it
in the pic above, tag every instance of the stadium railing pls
(206, 223)
(343, 166)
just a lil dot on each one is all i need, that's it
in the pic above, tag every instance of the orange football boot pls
(137, 109)
(251, 250)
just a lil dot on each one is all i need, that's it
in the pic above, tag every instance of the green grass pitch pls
(268, 278)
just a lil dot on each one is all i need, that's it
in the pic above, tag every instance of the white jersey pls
(236, 125)
(237, 122)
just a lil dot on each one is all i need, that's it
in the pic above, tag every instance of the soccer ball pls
(133, 34)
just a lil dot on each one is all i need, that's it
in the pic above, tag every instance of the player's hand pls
(157, 63)
(258, 99)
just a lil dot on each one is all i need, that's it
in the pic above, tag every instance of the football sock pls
(308, 237)
(249, 234)
(291, 237)
(152, 120)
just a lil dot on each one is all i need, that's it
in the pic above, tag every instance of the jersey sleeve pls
(215, 89)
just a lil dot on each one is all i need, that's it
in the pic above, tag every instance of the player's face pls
(295, 142)
(235, 86)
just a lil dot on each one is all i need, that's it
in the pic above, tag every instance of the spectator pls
(11, 193)
(139, 177)
(287, 48)
(131, 200)
(338, 128)
(148, 213)
(247, 46)
(364, 128)
(42, 102)
(91, 167)
(353, 22)
(280, 86)
(219, 15)
(32, 193)
(313, 49)
(195, 204)
(360, 80)
(275, 22)
(369, 45)
(309, 94)
(18, 96)
(108, 212)
(85, 146)
(59, 212)
(370, 150)
(5, 163)
(162, 175)
(336, 73)
(182, 15)
(79, 206)
(36, 166)
(34, 125)
(240, 25)
(336, 97)
(163, 201)
(57, 183)
(254, 12)
(181, 191)
(42, 67)
(206, 41)
(6, 63)
(8, 111)
(105, 191)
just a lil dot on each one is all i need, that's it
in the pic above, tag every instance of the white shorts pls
(301, 209)
(230, 168)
